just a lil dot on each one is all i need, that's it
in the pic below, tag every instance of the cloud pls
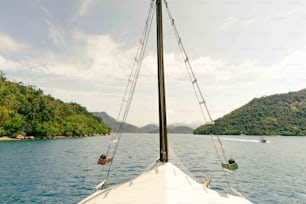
(84, 7)
(7, 64)
(290, 69)
(103, 57)
(248, 21)
(232, 21)
(93, 70)
(88, 57)
(228, 22)
(42, 7)
(9, 44)
(56, 34)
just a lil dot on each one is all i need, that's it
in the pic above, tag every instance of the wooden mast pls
(161, 85)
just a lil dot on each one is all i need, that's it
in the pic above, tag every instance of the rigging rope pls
(204, 109)
(131, 85)
(130, 88)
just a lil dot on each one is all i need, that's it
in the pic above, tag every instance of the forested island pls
(280, 114)
(26, 111)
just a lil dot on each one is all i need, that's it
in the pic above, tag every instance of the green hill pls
(280, 114)
(25, 110)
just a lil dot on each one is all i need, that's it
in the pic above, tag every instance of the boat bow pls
(164, 183)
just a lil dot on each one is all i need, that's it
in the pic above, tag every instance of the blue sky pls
(81, 51)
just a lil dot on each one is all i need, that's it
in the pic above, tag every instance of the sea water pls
(66, 170)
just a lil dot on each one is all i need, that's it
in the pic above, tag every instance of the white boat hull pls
(162, 184)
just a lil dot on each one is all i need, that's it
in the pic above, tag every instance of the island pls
(278, 114)
(26, 112)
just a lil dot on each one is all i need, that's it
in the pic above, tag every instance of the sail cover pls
(162, 184)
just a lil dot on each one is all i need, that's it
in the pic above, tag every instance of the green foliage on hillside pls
(25, 110)
(281, 114)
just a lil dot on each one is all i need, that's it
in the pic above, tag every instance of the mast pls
(161, 85)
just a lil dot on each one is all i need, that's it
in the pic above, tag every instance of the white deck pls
(165, 183)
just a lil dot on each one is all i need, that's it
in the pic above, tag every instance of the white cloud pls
(99, 68)
(90, 57)
(7, 64)
(228, 22)
(291, 69)
(42, 7)
(248, 21)
(56, 34)
(84, 7)
(9, 44)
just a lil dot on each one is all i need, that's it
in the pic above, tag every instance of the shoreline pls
(5, 138)
(8, 139)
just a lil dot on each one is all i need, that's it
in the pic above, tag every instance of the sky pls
(82, 50)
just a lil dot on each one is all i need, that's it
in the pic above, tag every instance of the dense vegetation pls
(281, 114)
(25, 110)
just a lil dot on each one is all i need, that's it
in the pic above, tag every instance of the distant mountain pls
(192, 125)
(279, 114)
(175, 129)
(181, 129)
(110, 121)
(150, 128)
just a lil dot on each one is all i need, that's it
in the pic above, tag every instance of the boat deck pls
(164, 183)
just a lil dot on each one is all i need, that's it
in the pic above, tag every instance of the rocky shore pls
(21, 137)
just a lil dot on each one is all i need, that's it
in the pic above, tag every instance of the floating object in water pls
(104, 160)
(231, 165)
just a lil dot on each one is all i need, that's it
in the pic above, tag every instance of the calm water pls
(65, 171)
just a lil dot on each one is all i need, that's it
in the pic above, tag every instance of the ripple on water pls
(65, 171)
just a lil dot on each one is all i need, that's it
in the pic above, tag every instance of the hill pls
(25, 110)
(112, 122)
(280, 114)
(181, 129)
(150, 128)
(175, 129)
